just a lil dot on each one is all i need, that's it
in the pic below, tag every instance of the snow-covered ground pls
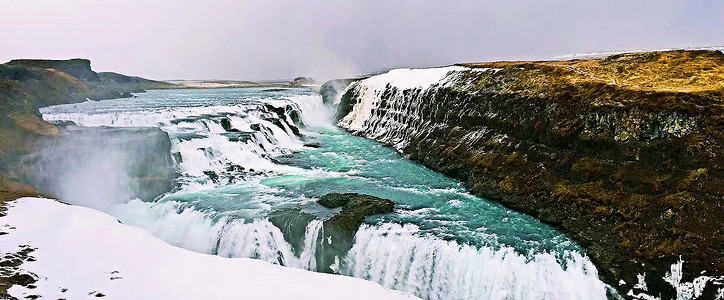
(82, 253)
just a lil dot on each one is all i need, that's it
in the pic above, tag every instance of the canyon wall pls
(26, 86)
(624, 154)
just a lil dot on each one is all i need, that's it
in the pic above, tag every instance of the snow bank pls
(370, 90)
(80, 249)
(410, 78)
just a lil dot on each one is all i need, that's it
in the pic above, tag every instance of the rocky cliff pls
(25, 86)
(625, 153)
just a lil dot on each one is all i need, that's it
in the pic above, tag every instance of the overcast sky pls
(268, 39)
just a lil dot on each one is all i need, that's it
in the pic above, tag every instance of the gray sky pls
(269, 39)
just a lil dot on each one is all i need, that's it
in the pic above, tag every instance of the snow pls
(410, 78)
(402, 79)
(80, 249)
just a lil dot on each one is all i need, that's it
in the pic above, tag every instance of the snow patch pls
(80, 250)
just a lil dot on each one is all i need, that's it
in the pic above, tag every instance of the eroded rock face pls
(632, 173)
(97, 166)
(332, 90)
(340, 229)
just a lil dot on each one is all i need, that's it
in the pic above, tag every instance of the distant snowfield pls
(80, 249)
(593, 55)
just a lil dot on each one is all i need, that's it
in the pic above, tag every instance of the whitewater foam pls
(398, 257)
(229, 186)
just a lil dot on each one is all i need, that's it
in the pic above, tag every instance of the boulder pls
(339, 230)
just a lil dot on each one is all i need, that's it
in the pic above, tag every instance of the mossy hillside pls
(631, 169)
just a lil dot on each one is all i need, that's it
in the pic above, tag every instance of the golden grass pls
(698, 72)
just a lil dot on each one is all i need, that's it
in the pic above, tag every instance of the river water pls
(247, 155)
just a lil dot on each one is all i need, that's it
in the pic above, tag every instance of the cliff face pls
(26, 85)
(98, 166)
(625, 154)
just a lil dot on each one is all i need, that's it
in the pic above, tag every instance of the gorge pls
(608, 171)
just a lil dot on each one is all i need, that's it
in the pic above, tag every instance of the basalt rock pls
(340, 229)
(293, 224)
(624, 154)
(332, 90)
(79, 163)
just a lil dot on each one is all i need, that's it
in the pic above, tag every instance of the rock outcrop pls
(26, 86)
(340, 229)
(301, 82)
(84, 164)
(625, 154)
(331, 90)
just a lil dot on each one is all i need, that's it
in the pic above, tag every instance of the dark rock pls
(632, 173)
(77, 67)
(213, 176)
(313, 145)
(355, 207)
(146, 166)
(341, 228)
(334, 200)
(293, 224)
(226, 124)
(15, 73)
(238, 136)
(332, 89)
(301, 82)
(234, 168)
(296, 118)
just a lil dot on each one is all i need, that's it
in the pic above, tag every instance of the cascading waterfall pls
(398, 258)
(243, 161)
(395, 119)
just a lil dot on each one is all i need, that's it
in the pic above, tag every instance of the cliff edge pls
(29, 84)
(625, 153)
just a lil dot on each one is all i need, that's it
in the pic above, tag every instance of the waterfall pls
(227, 153)
(398, 257)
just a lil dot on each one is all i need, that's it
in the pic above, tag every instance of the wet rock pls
(234, 168)
(332, 89)
(340, 229)
(213, 176)
(630, 171)
(355, 207)
(238, 136)
(293, 224)
(134, 163)
(226, 124)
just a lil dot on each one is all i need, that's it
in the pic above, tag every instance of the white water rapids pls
(229, 215)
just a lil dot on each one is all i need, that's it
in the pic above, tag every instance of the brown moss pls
(35, 125)
(602, 211)
(506, 185)
(484, 159)
(694, 179)
(515, 158)
(588, 167)
(678, 200)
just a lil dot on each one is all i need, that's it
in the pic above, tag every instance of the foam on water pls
(232, 182)
(398, 257)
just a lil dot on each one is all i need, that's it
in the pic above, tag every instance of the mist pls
(99, 167)
(256, 40)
